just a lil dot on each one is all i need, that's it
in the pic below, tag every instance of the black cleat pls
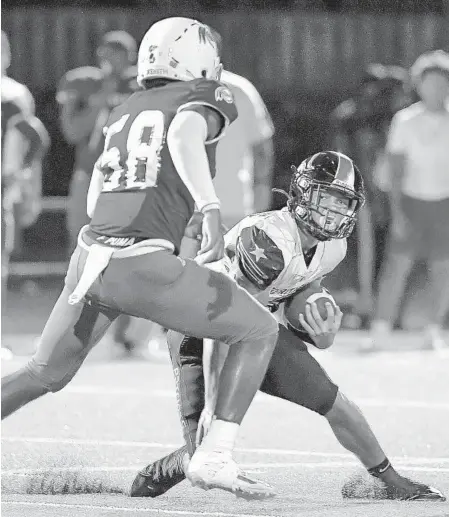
(160, 476)
(404, 489)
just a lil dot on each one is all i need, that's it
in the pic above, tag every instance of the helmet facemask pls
(323, 210)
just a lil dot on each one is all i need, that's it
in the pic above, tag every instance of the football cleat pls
(403, 489)
(211, 469)
(160, 476)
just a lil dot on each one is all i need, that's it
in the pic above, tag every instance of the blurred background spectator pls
(302, 57)
(24, 140)
(419, 168)
(361, 124)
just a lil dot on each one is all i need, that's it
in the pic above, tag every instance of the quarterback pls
(273, 255)
(157, 163)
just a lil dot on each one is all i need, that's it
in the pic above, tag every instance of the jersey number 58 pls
(134, 163)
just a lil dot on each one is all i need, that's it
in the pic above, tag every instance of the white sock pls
(221, 436)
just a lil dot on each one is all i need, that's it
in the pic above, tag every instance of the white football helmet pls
(178, 48)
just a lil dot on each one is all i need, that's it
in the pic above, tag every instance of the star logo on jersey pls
(258, 253)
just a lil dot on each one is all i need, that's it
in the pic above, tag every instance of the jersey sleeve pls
(215, 95)
(78, 84)
(259, 258)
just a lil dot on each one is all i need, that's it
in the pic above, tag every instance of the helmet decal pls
(345, 172)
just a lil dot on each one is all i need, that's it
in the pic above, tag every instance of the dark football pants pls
(159, 286)
(293, 375)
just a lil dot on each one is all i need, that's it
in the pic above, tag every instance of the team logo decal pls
(222, 93)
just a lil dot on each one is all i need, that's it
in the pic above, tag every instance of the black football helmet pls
(326, 175)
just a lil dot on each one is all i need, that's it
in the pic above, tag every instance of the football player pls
(24, 141)
(273, 255)
(157, 164)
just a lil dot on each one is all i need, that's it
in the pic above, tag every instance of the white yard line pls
(154, 511)
(405, 460)
(85, 389)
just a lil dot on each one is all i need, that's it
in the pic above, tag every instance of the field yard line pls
(85, 389)
(246, 466)
(156, 445)
(417, 404)
(155, 511)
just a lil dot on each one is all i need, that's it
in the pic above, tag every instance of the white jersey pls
(267, 249)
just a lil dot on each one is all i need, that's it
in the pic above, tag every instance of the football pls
(296, 305)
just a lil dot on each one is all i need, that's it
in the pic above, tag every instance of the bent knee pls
(341, 408)
(266, 331)
(50, 378)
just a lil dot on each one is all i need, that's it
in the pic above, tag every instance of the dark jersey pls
(143, 196)
(78, 86)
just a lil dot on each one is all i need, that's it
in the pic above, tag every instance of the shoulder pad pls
(259, 258)
(79, 83)
(215, 95)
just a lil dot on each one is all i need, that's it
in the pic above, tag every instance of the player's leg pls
(162, 287)
(186, 355)
(121, 331)
(70, 333)
(439, 289)
(392, 281)
(354, 433)
(164, 290)
(296, 376)
(437, 244)
(399, 260)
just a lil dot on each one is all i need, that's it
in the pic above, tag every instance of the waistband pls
(87, 238)
(99, 255)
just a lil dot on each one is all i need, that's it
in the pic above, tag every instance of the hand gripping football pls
(296, 305)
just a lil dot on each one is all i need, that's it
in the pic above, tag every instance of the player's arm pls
(38, 138)
(186, 140)
(95, 188)
(258, 261)
(191, 241)
(35, 134)
(187, 136)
